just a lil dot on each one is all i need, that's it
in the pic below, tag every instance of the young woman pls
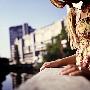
(79, 35)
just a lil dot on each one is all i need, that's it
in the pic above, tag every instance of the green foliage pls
(53, 52)
(55, 49)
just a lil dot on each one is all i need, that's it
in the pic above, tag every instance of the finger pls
(68, 71)
(66, 68)
(75, 73)
(42, 68)
(45, 65)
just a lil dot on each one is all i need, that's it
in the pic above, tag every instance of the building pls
(45, 34)
(28, 48)
(32, 45)
(19, 31)
(16, 38)
(35, 43)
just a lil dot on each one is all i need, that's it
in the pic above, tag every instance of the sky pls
(37, 13)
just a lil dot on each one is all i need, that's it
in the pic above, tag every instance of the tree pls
(55, 50)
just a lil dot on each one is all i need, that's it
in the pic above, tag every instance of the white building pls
(17, 32)
(32, 45)
(45, 34)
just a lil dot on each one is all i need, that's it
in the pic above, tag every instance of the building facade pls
(45, 34)
(19, 31)
(40, 37)
(32, 45)
(16, 38)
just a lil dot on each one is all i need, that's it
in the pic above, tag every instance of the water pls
(8, 83)
(12, 80)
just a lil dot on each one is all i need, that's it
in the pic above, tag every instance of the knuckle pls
(70, 66)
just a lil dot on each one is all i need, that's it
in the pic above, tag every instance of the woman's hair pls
(60, 3)
(71, 18)
(71, 24)
(71, 28)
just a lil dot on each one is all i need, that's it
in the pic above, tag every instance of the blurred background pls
(32, 32)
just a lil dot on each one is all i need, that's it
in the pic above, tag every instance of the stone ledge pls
(49, 79)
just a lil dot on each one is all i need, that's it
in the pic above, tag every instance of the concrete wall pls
(49, 79)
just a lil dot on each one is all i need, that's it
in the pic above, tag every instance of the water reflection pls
(12, 80)
(2, 78)
(19, 78)
(7, 84)
(12, 76)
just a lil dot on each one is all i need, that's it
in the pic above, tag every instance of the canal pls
(12, 80)
(12, 76)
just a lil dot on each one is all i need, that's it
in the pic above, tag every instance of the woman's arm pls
(66, 60)
(59, 62)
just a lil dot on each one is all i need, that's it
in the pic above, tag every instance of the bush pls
(55, 49)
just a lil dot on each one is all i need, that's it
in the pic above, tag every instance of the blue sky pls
(37, 13)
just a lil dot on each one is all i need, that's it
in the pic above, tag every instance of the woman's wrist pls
(55, 63)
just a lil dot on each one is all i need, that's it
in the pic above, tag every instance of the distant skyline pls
(37, 13)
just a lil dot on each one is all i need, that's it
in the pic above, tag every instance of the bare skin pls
(59, 62)
(73, 70)
(70, 69)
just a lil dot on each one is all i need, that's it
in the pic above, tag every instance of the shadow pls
(4, 64)
(22, 68)
(19, 78)
(4, 70)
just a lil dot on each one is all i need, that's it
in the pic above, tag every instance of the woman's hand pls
(45, 65)
(49, 65)
(71, 70)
